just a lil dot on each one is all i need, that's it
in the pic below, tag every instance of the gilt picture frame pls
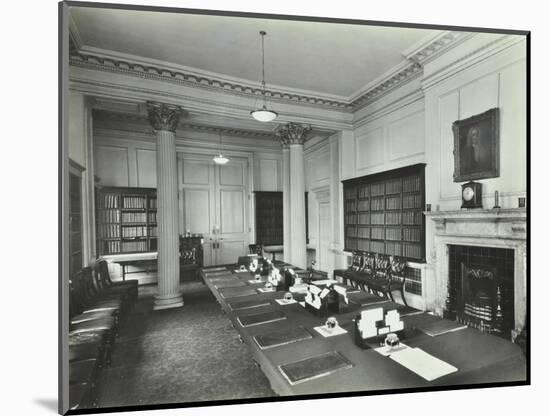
(476, 146)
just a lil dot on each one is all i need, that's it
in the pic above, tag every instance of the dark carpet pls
(188, 354)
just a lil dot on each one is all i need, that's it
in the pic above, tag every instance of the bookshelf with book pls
(383, 213)
(126, 220)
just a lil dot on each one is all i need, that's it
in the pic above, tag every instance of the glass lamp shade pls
(264, 115)
(220, 159)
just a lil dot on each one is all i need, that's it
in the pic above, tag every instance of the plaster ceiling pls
(326, 58)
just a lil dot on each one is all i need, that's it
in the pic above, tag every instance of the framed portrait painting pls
(476, 148)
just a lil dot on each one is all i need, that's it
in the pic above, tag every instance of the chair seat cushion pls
(92, 326)
(106, 303)
(82, 338)
(91, 316)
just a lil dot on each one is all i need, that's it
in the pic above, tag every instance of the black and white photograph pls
(245, 208)
(274, 208)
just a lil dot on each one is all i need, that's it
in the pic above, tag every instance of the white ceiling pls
(326, 58)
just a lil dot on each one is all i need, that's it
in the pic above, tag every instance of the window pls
(75, 223)
(383, 213)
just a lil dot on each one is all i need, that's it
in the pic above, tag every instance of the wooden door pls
(232, 210)
(213, 202)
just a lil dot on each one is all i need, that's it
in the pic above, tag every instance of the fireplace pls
(481, 288)
(476, 269)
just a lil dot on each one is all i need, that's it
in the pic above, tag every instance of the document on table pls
(422, 363)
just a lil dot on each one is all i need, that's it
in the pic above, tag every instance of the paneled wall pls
(391, 141)
(498, 81)
(268, 171)
(416, 128)
(123, 162)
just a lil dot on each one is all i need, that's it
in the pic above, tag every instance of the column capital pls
(164, 116)
(292, 133)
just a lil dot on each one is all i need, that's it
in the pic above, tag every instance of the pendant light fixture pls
(220, 159)
(263, 114)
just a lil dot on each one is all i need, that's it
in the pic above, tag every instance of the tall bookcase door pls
(383, 213)
(214, 203)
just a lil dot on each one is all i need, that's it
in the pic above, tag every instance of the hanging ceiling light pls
(220, 159)
(263, 114)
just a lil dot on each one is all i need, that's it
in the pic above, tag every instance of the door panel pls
(232, 212)
(197, 210)
(196, 172)
(231, 174)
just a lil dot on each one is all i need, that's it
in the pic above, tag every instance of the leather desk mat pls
(471, 351)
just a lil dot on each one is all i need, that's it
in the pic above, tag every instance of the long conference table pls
(478, 357)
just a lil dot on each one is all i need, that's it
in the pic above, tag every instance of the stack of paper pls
(367, 324)
(285, 302)
(393, 321)
(422, 363)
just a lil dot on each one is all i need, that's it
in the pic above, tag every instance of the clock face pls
(468, 193)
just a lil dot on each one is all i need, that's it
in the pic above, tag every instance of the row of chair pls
(376, 273)
(97, 305)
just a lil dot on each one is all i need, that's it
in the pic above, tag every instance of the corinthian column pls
(294, 135)
(164, 119)
(286, 203)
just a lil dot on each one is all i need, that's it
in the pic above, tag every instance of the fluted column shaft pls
(293, 136)
(164, 120)
(297, 207)
(286, 204)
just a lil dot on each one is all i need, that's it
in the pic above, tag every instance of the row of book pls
(411, 183)
(109, 215)
(412, 201)
(412, 217)
(109, 231)
(134, 202)
(377, 204)
(152, 217)
(129, 246)
(138, 231)
(152, 203)
(130, 217)
(388, 218)
(411, 250)
(110, 201)
(411, 234)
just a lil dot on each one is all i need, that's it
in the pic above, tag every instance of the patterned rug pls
(179, 355)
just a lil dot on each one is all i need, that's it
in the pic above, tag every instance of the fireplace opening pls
(481, 288)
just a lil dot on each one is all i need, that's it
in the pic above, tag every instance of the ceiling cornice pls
(141, 119)
(159, 73)
(390, 83)
(408, 70)
(430, 48)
